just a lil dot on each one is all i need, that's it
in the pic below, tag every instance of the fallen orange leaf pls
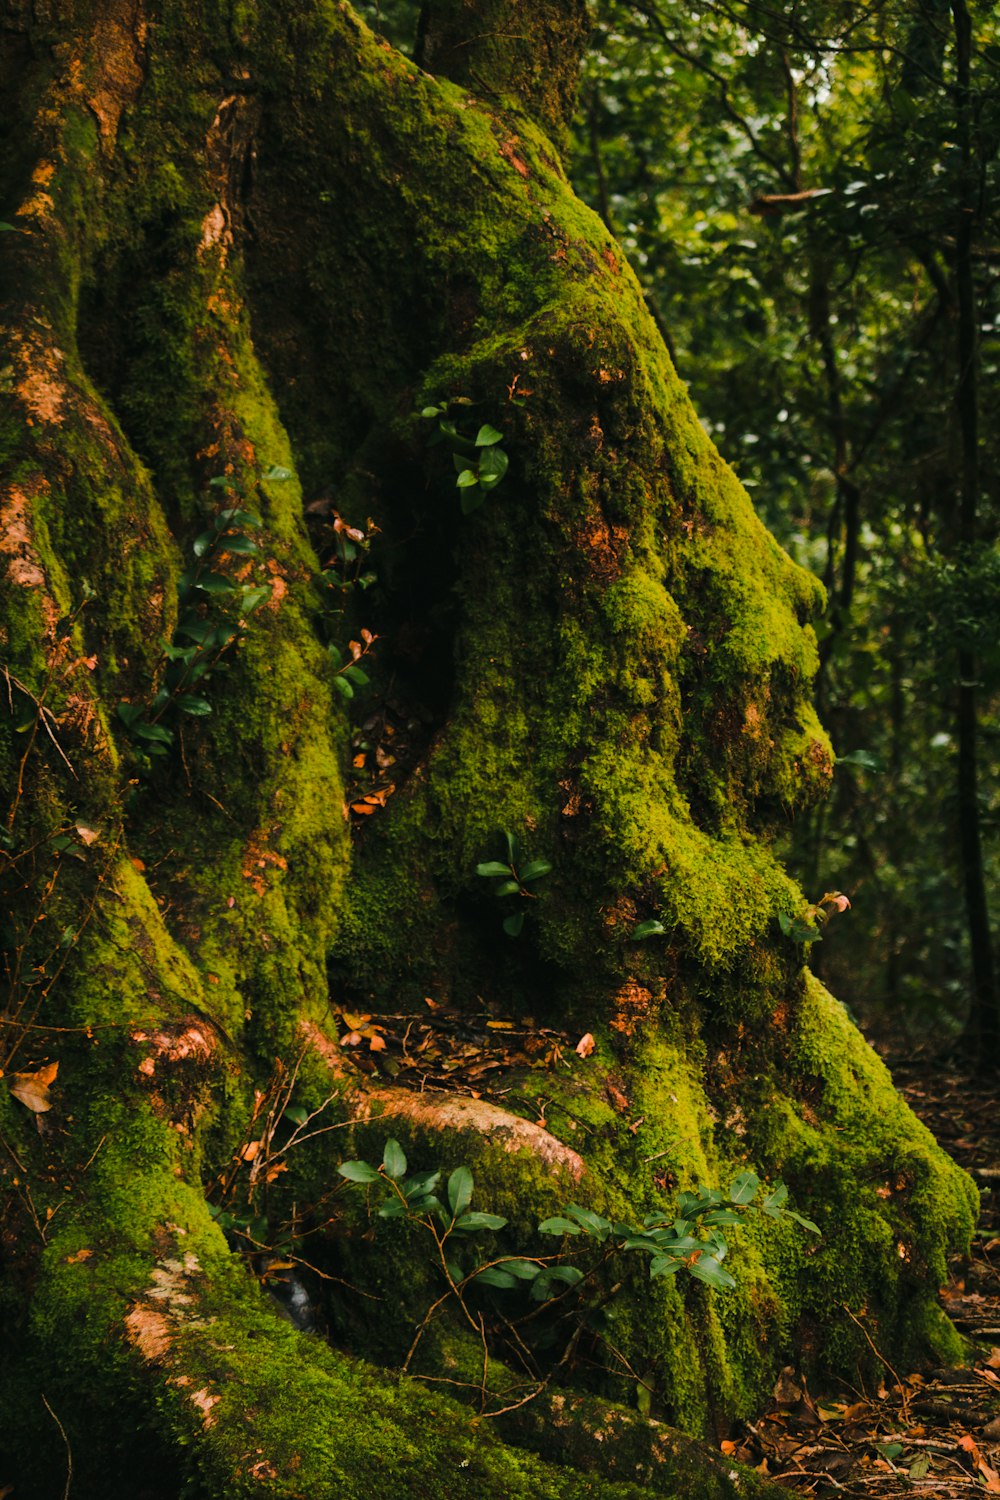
(585, 1045)
(32, 1089)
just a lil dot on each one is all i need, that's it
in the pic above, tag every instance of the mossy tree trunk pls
(244, 246)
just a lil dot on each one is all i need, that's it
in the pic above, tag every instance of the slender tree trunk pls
(248, 248)
(984, 1019)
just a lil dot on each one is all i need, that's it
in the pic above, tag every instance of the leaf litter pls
(933, 1433)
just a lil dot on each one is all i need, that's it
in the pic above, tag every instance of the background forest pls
(807, 193)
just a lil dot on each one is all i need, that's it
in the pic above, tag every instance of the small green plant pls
(691, 1240)
(652, 927)
(480, 463)
(350, 674)
(344, 573)
(515, 878)
(449, 1225)
(241, 1199)
(807, 926)
(213, 610)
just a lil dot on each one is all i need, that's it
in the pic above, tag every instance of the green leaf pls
(666, 1265)
(466, 479)
(253, 598)
(297, 1114)
(559, 1225)
(180, 653)
(774, 1200)
(153, 733)
(494, 1276)
(198, 708)
(223, 482)
(508, 888)
(543, 1286)
(430, 412)
(920, 1467)
(722, 1216)
(421, 1183)
(805, 1223)
(392, 1209)
(460, 1190)
(706, 1268)
(890, 1450)
(535, 870)
(233, 516)
(744, 1187)
(650, 928)
(426, 1205)
(394, 1160)
(358, 1171)
(863, 759)
(470, 501)
(201, 544)
(196, 629)
(215, 583)
(524, 1270)
(127, 712)
(513, 848)
(493, 466)
(239, 544)
(343, 687)
(512, 925)
(492, 867)
(277, 473)
(592, 1223)
(487, 436)
(479, 1221)
(357, 675)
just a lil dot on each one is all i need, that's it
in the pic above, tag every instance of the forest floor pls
(933, 1433)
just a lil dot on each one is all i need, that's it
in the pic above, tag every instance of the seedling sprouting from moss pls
(480, 462)
(345, 572)
(807, 927)
(652, 927)
(213, 610)
(514, 879)
(689, 1238)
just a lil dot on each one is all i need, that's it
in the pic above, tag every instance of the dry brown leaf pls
(74, 1260)
(250, 1150)
(88, 835)
(585, 1045)
(361, 807)
(32, 1089)
(377, 1043)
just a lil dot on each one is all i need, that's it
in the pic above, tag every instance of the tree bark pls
(984, 1018)
(247, 247)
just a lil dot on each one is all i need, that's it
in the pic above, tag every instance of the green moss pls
(629, 660)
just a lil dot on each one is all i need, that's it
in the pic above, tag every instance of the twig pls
(904, 1397)
(69, 1451)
